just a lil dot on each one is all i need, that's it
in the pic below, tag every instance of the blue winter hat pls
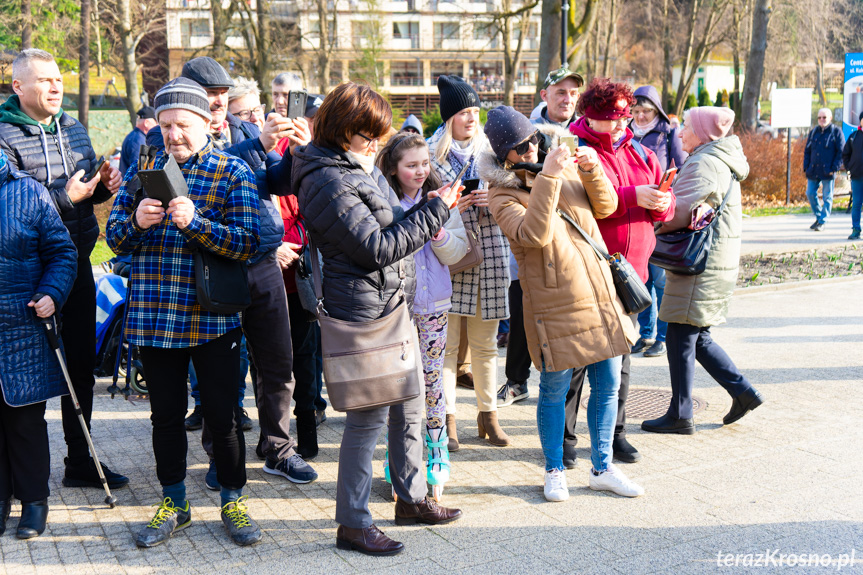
(506, 128)
(412, 122)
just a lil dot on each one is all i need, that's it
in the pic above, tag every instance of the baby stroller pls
(114, 356)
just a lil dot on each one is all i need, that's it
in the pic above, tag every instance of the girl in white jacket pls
(405, 163)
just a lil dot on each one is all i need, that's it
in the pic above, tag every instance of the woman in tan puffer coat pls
(572, 314)
(692, 304)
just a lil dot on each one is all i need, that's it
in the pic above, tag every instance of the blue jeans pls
(244, 369)
(819, 208)
(604, 378)
(651, 326)
(856, 203)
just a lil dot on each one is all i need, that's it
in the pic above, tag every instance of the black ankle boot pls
(307, 435)
(34, 517)
(743, 404)
(5, 508)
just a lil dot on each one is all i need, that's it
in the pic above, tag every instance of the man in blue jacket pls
(266, 322)
(821, 160)
(137, 137)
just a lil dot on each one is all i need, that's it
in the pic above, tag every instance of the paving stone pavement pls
(786, 477)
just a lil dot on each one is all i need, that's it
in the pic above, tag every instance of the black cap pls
(207, 72)
(313, 102)
(147, 113)
(455, 96)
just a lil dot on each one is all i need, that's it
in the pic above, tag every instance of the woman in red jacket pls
(634, 170)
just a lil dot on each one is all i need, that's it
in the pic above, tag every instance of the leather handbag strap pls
(600, 251)
(317, 279)
(725, 199)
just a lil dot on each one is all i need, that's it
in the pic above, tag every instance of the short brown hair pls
(351, 109)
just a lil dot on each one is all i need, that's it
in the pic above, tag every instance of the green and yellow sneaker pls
(168, 519)
(243, 530)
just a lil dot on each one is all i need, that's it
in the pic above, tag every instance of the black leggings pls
(217, 364)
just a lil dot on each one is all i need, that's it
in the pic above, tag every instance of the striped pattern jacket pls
(163, 308)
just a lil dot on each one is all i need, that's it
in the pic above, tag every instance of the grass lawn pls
(775, 210)
(101, 253)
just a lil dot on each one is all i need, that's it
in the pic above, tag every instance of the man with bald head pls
(41, 139)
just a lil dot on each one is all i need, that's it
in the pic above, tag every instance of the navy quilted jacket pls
(29, 152)
(36, 256)
(361, 231)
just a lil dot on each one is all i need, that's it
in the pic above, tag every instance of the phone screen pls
(569, 142)
(95, 170)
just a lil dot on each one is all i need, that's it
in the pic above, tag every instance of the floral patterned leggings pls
(432, 339)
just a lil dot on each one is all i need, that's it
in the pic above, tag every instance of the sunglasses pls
(522, 148)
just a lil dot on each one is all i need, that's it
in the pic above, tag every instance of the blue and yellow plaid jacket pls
(163, 305)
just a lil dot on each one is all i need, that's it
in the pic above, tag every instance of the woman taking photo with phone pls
(572, 314)
(479, 293)
(362, 233)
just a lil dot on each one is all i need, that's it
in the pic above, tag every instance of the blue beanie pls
(505, 128)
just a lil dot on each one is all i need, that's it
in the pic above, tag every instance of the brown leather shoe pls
(465, 380)
(486, 423)
(427, 511)
(369, 541)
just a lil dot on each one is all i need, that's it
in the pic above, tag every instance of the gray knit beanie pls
(505, 128)
(185, 94)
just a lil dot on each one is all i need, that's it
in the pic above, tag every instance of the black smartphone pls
(99, 163)
(461, 173)
(297, 104)
(470, 185)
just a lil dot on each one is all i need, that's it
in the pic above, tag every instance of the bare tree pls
(579, 32)
(84, 66)
(512, 19)
(611, 32)
(26, 25)
(549, 42)
(97, 26)
(755, 63)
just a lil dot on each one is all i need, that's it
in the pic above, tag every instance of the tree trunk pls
(549, 42)
(130, 66)
(680, 100)
(609, 39)
(97, 25)
(819, 80)
(666, 53)
(755, 63)
(324, 47)
(84, 66)
(579, 33)
(511, 62)
(264, 45)
(26, 25)
(737, 17)
(220, 28)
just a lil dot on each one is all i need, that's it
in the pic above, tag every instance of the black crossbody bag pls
(630, 289)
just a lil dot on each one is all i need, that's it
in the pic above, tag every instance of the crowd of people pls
(386, 214)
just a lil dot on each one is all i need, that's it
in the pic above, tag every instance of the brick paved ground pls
(787, 477)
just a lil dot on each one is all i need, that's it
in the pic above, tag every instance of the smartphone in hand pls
(667, 179)
(569, 142)
(95, 170)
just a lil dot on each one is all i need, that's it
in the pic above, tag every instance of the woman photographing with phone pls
(479, 294)
(572, 315)
(363, 234)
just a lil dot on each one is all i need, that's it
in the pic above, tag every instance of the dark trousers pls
(320, 402)
(686, 344)
(573, 399)
(304, 340)
(25, 461)
(517, 356)
(267, 325)
(217, 364)
(78, 331)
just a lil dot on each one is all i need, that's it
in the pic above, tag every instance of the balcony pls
(446, 43)
(188, 4)
(409, 42)
(400, 80)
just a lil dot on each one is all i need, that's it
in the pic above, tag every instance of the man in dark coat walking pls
(54, 148)
(821, 160)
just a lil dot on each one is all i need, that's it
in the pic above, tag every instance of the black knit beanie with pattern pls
(455, 96)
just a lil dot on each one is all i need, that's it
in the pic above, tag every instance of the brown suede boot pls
(486, 423)
(451, 433)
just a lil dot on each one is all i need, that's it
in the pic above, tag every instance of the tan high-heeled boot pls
(451, 433)
(486, 423)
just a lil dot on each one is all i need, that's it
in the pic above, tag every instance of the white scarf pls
(641, 131)
(367, 163)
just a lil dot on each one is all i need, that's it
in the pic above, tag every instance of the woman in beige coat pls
(572, 315)
(692, 304)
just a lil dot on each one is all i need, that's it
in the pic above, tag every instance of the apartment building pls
(414, 42)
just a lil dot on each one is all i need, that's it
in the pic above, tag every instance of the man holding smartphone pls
(54, 148)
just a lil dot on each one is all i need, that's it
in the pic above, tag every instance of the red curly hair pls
(603, 95)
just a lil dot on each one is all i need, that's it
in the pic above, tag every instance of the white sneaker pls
(613, 479)
(555, 485)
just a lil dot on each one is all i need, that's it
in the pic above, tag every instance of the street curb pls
(739, 291)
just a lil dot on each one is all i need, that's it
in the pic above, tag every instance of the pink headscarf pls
(710, 123)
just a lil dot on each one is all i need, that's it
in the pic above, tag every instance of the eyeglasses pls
(246, 114)
(522, 148)
(370, 141)
(823, 117)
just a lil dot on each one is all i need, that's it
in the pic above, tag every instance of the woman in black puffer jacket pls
(356, 222)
